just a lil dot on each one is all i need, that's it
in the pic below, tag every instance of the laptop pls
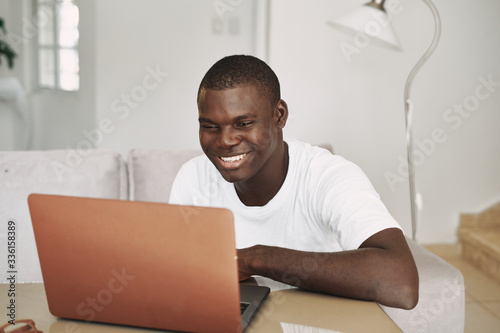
(144, 264)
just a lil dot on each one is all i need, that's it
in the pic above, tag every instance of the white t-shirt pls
(325, 204)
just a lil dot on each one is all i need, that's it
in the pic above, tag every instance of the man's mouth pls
(232, 158)
(232, 162)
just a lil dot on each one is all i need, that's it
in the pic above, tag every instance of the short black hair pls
(233, 71)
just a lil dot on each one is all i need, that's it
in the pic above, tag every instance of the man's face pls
(240, 131)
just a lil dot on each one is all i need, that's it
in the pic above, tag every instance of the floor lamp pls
(364, 20)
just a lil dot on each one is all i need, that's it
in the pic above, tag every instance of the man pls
(302, 215)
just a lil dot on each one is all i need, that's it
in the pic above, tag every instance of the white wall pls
(357, 106)
(174, 39)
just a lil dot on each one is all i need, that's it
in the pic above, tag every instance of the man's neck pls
(259, 193)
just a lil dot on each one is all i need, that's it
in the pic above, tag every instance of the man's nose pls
(228, 138)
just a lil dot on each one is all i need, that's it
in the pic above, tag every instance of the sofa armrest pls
(441, 305)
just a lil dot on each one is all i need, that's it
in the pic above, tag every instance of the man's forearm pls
(387, 276)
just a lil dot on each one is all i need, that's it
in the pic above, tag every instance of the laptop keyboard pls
(243, 306)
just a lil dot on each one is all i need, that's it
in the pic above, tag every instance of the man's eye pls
(248, 123)
(208, 126)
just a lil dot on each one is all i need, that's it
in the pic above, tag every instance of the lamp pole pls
(408, 116)
(354, 21)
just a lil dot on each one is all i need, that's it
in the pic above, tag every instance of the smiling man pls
(302, 215)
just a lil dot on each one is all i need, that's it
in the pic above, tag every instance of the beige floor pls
(482, 294)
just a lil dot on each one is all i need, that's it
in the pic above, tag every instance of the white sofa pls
(147, 175)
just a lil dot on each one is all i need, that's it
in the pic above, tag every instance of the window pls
(57, 45)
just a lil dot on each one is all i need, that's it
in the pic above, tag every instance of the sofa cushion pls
(152, 172)
(93, 174)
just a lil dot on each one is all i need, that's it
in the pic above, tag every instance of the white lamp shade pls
(371, 21)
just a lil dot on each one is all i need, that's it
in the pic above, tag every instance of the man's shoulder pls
(197, 161)
(199, 169)
(315, 148)
(195, 168)
(194, 178)
(315, 155)
(319, 166)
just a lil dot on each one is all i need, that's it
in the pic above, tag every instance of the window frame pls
(55, 48)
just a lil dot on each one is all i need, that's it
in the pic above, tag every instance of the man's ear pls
(281, 114)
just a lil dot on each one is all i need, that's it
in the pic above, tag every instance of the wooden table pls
(290, 310)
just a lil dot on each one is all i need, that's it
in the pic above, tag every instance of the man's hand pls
(241, 269)
(381, 270)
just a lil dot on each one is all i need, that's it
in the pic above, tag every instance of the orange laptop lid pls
(138, 263)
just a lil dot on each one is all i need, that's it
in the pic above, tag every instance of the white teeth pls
(232, 158)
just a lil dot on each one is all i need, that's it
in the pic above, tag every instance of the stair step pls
(481, 247)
